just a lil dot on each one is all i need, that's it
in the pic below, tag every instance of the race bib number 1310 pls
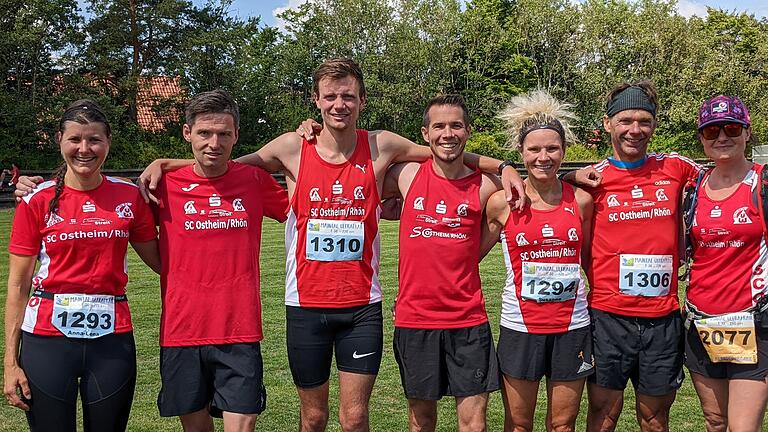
(334, 240)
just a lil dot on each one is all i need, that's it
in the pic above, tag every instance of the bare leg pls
(236, 422)
(746, 405)
(519, 404)
(422, 415)
(313, 415)
(471, 412)
(713, 395)
(604, 408)
(563, 408)
(354, 394)
(653, 411)
(198, 421)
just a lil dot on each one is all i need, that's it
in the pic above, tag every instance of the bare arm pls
(149, 253)
(496, 214)
(19, 283)
(584, 200)
(150, 177)
(273, 155)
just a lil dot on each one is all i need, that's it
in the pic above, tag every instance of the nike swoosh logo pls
(190, 187)
(355, 355)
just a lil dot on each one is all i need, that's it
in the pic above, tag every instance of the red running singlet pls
(440, 230)
(332, 231)
(545, 291)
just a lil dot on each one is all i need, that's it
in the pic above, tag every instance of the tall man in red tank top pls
(442, 341)
(333, 296)
(637, 223)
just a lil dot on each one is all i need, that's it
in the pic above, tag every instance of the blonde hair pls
(534, 110)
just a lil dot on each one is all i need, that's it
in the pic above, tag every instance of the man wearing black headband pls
(633, 278)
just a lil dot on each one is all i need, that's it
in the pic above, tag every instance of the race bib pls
(335, 240)
(83, 315)
(645, 275)
(550, 282)
(729, 338)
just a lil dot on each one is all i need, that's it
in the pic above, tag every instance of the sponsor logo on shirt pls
(662, 182)
(461, 210)
(573, 235)
(218, 213)
(337, 188)
(89, 207)
(189, 208)
(214, 201)
(190, 187)
(521, 240)
(637, 192)
(237, 205)
(452, 222)
(426, 218)
(441, 208)
(96, 221)
(359, 195)
(360, 167)
(341, 200)
(569, 210)
(715, 212)
(418, 203)
(661, 196)
(52, 219)
(547, 231)
(740, 216)
(124, 211)
(314, 194)
(613, 201)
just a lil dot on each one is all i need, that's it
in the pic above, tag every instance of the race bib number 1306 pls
(645, 275)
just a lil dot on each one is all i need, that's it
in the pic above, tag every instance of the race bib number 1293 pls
(83, 316)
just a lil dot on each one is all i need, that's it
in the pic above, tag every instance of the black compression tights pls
(102, 371)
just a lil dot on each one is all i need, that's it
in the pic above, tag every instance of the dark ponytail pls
(59, 174)
(82, 111)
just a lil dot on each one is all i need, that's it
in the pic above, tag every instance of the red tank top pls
(729, 256)
(440, 230)
(545, 291)
(332, 231)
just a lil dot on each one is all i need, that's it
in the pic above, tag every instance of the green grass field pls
(388, 405)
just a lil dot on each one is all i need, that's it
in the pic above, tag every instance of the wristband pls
(505, 164)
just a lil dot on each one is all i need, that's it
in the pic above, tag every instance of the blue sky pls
(267, 9)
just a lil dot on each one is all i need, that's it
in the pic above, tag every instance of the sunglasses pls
(732, 130)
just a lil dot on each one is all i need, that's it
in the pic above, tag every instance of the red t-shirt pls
(440, 229)
(210, 237)
(82, 247)
(332, 232)
(729, 251)
(636, 233)
(545, 291)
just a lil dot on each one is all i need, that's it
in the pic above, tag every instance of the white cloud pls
(689, 8)
(292, 4)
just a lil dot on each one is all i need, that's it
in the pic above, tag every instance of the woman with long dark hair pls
(73, 335)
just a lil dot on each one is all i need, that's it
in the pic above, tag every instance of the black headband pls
(557, 127)
(630, 98)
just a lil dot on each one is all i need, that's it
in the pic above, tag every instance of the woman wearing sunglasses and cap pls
(726, 351)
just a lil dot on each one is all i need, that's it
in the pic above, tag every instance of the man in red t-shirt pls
(443, 343)
(637, 227)
(210, 216)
